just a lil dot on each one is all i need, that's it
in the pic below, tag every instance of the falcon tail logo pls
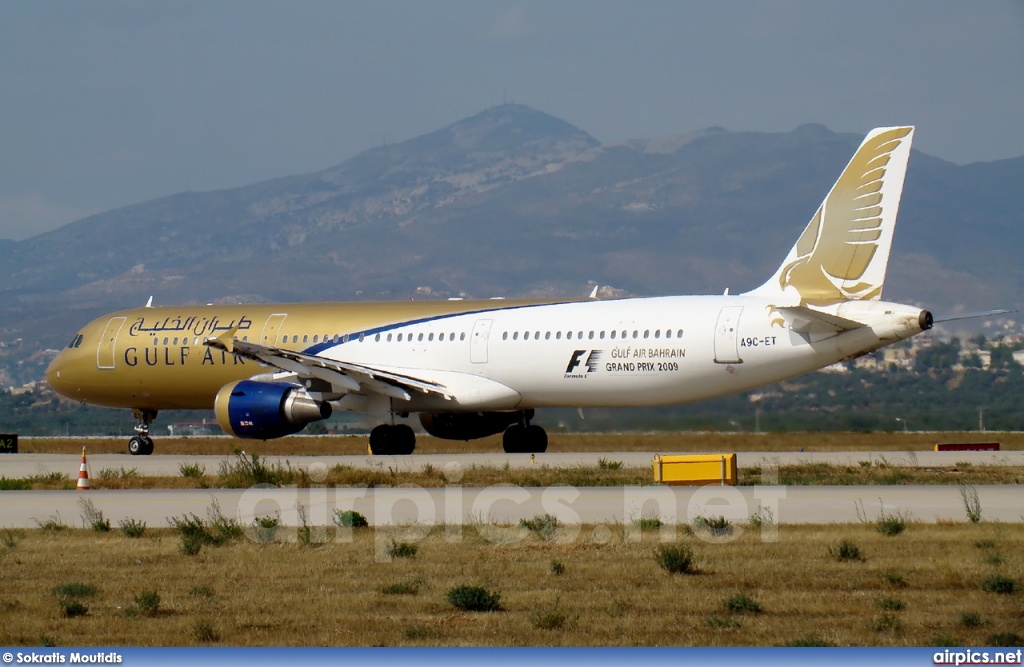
(592, 361)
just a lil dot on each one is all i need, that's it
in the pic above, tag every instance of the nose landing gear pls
(141, 444)
(524, 438)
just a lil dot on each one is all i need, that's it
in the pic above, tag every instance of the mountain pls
(514, 202)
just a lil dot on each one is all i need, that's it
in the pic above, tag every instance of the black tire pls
(148, 448)
(536, 440)
(404, 439)
(514, 439)
(137, 446)
(382, 440)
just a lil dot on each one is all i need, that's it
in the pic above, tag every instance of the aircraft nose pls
(57, 374)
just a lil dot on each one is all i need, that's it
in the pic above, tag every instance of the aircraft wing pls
(343, 377)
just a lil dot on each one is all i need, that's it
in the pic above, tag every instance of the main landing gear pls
(141, 444)
(392, 439)
(522, 438)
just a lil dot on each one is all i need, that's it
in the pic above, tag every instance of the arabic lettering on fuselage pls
(199, 326)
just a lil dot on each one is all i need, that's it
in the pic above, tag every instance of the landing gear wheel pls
(405, 439)
(141, 444)
(390, 440)
(519, 439)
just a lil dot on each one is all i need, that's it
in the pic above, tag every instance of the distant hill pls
(512, 202)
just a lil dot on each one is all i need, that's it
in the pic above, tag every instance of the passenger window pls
(155, 342)
(657, 333)
(420, 338)
(244, 338)
(647, 333)
(591, 335)
(165, 341)
(536, 335)
(175, 341)
(668, 333)
(376, 338)
(305, 338)
(462, 336)
(579, 335)
(558, 335)
(504, 335)
(613, 335)
(601, 335)
(316, 338)
(636, 333)
(361, 336)
(451, 336)
(399, 338)
(515, 335)
(430, 337)
(679, 334)
(547, 336)
(389, 338)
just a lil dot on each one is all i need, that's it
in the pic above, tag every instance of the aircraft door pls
(272, 328)
(478, 341)
(727, 336)
(105, 351)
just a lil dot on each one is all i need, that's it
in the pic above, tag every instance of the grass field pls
(597, 442)
(923, 586)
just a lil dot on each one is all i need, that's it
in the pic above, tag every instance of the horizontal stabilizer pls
(971, 316)
(806, 320)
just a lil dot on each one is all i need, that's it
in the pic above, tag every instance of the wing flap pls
(344, 376)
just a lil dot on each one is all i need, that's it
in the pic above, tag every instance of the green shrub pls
(892, 604)
(605, 464)
(192, 470)
(884, 623)
(132, 528)
(741, 604)
(649, 523)
(191, 545)
(265, 528)
(204, 632)
(402, 588)
(557, 567)
(892, 524)
(970, 619)
(1005, 639)
(997, 583)
(9, 538)
(811, 640)
(555, 618)
(544, 526)
(675, 559)
(402, 550)
(51, 524)
(71, 608)
(985, 544)
(717, 526)
(216, 530)
(721, 622)
(74, 590)
(118, 473)
(350, 519)
(972, 504)
(246, 471)
(15, 484)
(201, 592)
(148, 603)
(473, 598)
(845, 551)
(420, 632)
(894, 579)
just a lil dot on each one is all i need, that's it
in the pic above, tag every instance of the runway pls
(24, 465)
(506, 505)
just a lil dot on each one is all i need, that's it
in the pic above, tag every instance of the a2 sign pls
(8, 443)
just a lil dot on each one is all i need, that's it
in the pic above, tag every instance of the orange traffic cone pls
(83, 474)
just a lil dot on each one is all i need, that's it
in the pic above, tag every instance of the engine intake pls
(265, 410)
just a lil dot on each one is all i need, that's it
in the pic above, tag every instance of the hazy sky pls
(104, 104)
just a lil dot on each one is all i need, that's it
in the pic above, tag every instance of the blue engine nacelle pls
(265, 410)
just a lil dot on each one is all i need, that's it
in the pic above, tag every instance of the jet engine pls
(469, 426)
(265, 410)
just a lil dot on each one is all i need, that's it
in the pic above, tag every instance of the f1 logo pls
(591, 363)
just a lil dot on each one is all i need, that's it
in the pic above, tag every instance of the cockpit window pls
(76, 341)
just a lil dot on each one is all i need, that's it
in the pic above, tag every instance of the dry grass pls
(798, 475)
(245, 593)
(598, 442)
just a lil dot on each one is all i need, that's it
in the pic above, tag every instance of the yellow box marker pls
(696, 469)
